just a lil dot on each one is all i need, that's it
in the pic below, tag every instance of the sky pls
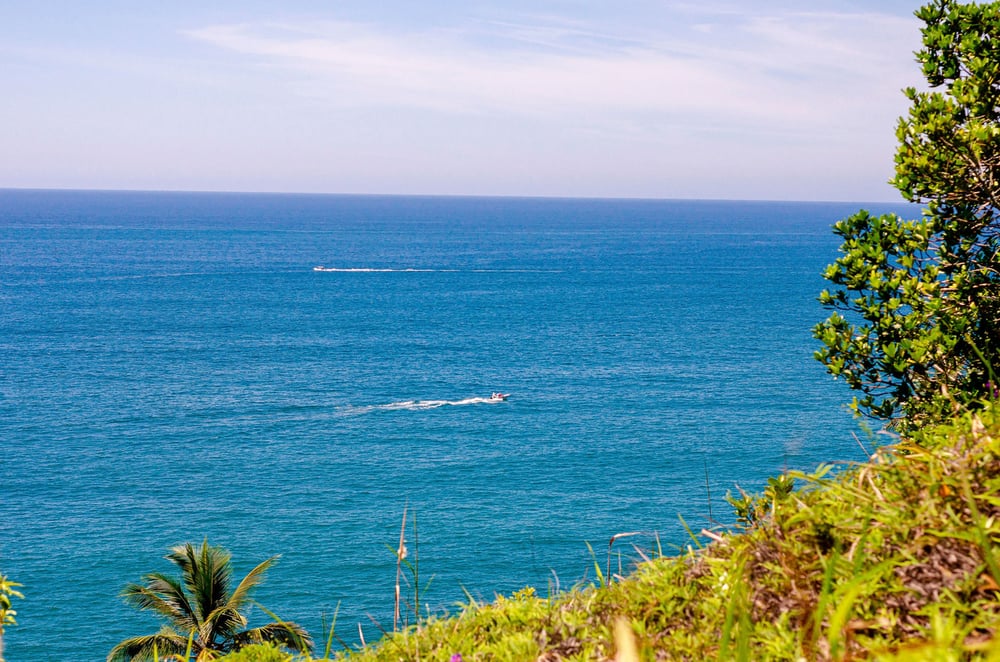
(752, 99)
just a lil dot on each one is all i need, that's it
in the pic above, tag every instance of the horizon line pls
(508, 196)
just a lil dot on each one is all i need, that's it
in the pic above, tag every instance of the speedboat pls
(499, 396)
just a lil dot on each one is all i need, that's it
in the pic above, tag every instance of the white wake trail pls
(420, 405)
(371, 270)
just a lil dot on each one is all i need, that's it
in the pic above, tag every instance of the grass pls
(893, 559)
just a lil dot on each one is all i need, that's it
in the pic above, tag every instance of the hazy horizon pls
(899, 200)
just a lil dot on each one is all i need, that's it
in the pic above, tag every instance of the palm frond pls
(211, 578)
(206, 573)
(253, 578)
(221, 577)
(173, 593)
(288, 634)
(142, 597)
(166, 641)
(183, 557)
(225, 622)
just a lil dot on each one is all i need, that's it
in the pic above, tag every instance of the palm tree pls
(200, 606)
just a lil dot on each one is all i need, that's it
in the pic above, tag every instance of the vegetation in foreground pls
(893, 559)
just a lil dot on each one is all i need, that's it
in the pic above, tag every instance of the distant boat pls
(499, 396)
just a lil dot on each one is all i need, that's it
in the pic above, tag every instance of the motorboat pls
(499, 396)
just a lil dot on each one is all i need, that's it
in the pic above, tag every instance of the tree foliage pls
(916, 303)
(202, 602)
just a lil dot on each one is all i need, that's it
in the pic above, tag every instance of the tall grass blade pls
(612, 542)
(400, 555)
(708, 492)
(597, 567)
(825, 594)
(690, 532)
(731, 607)
(846, 600)
(300, 643)
(416, 571)
(983, 538)
(329, 639)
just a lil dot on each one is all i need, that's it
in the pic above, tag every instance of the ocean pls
(173, 368)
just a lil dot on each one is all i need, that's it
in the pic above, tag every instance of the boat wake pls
(380, 270)
(420, 405)
(370, 270)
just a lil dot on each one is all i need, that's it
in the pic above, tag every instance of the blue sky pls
(690, 99)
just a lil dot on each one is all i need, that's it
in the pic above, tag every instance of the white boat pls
(499, 396)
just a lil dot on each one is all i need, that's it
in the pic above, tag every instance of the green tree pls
(916, 304)
(7, 613)
(201, 602)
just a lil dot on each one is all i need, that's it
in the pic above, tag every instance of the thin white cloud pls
(704, 102)
(792, 70)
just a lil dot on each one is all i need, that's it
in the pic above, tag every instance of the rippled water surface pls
(175, 367)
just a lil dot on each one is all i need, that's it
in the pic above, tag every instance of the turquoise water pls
(172, 368)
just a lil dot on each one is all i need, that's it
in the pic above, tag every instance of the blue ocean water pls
(172, 367)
